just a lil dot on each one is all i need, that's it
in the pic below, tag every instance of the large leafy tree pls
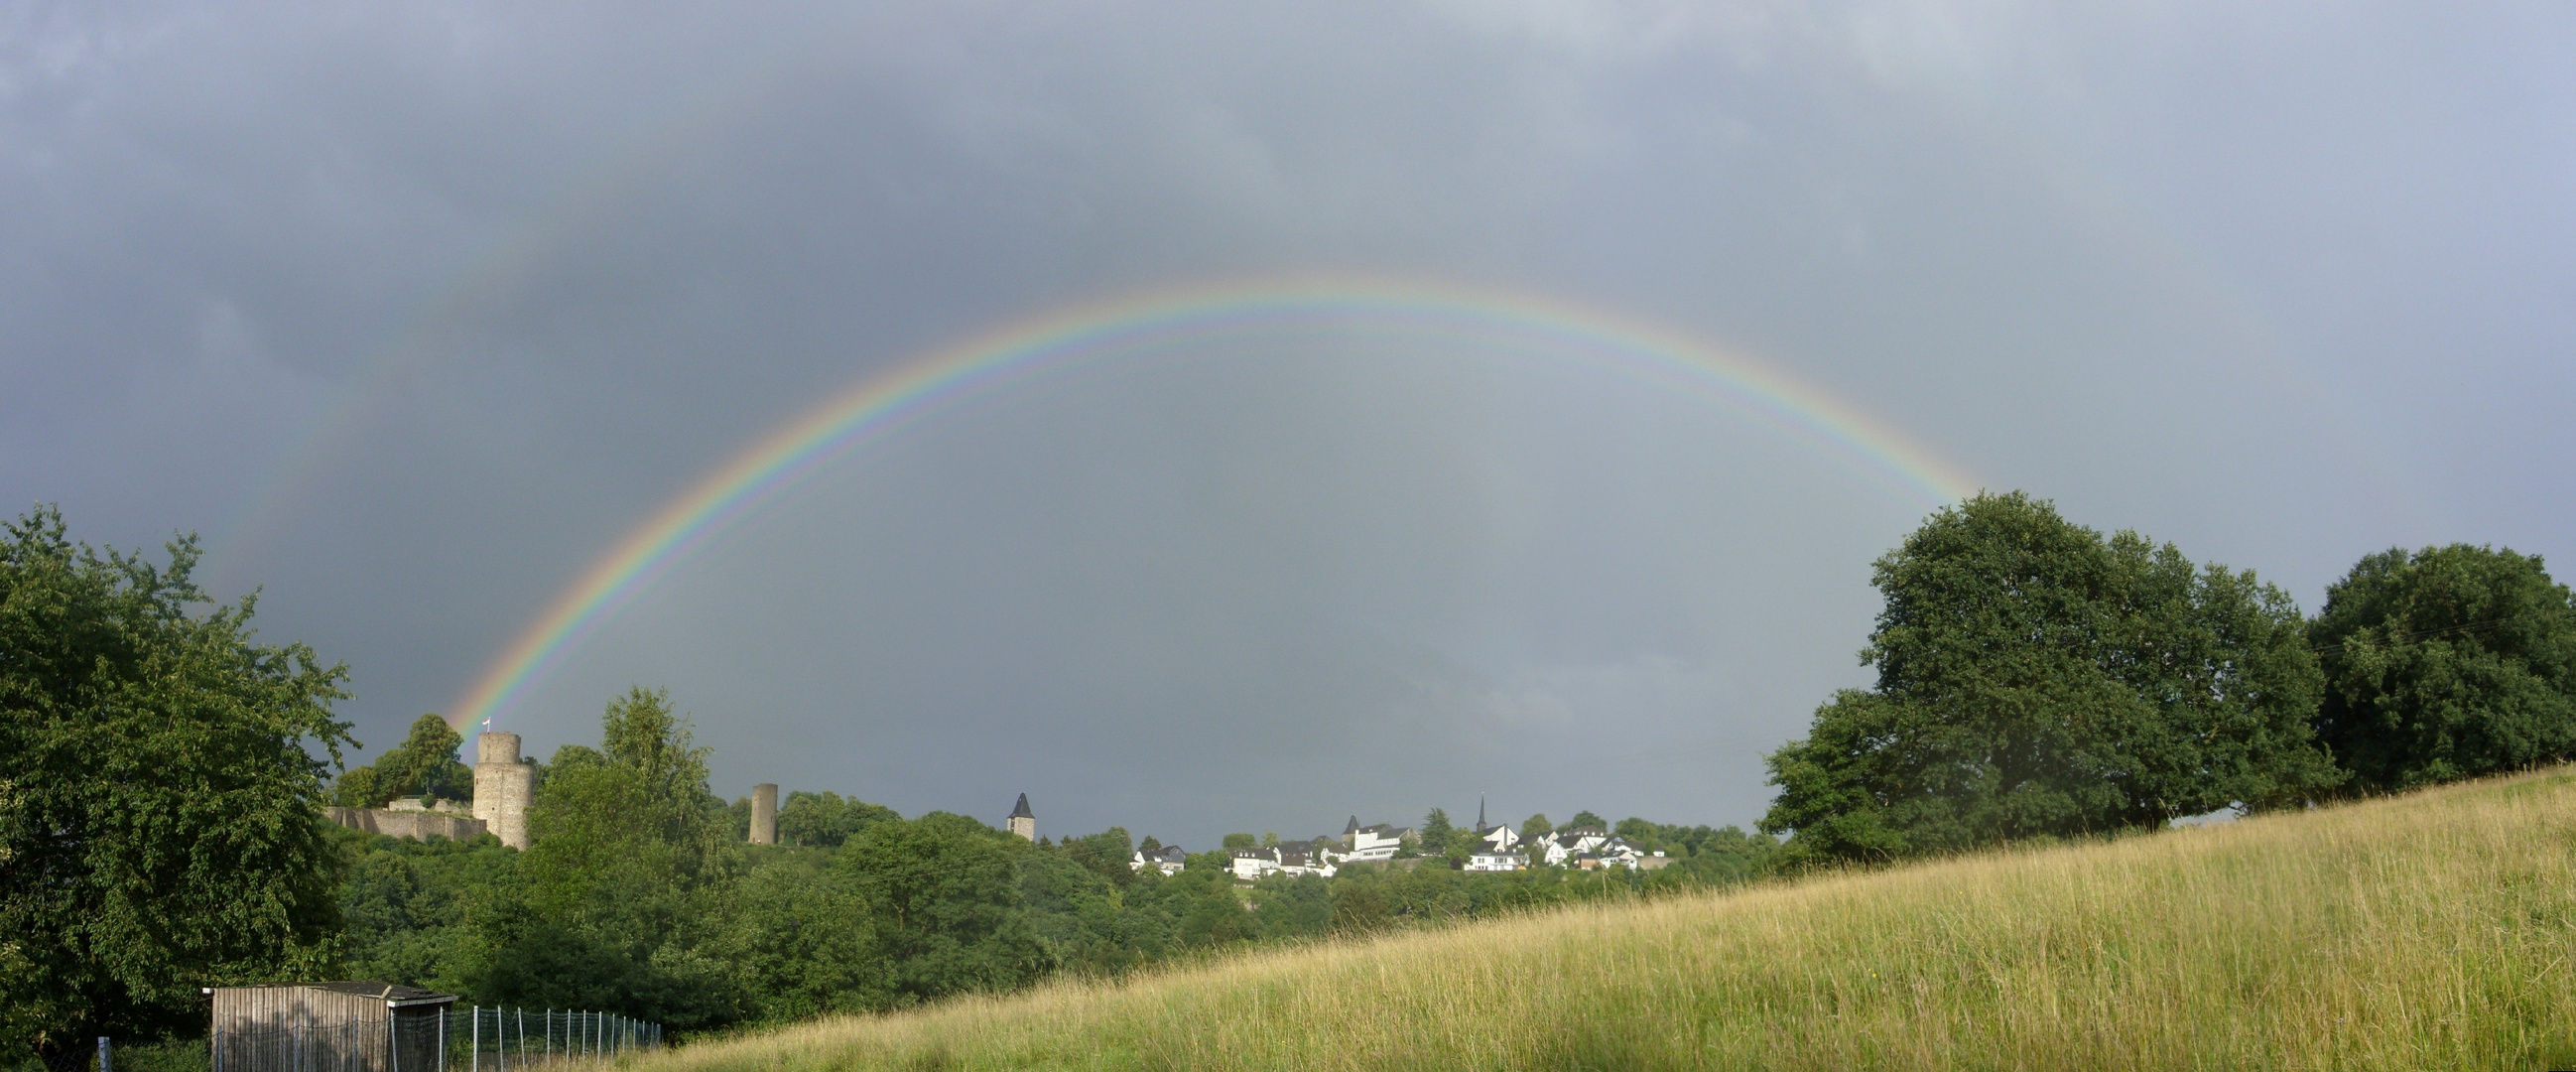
(625, 877)
(425, 763)
(159, 792)
(825, 820)
(2446, 663)
(2036, 678)
(948, 908)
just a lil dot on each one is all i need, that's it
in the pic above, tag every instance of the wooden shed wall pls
(309, 1029)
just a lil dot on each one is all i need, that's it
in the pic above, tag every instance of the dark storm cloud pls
(415, 309)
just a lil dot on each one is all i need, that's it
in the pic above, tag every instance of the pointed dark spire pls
(1353, 828)
(1021, 810)
(1480, 813)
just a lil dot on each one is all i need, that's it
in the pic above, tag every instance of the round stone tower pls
(764, 814)
(503, 788)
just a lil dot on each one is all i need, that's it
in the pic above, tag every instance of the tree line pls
(640, 893)
(2038, 679)
(162, 774)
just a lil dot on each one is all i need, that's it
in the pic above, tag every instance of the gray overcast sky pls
(414, 309)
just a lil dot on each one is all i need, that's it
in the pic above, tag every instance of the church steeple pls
(1480, 813)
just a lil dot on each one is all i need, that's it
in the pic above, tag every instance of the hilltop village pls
(503, 781)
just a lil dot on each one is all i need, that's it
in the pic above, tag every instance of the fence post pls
(442, 1037)
(103, 1065)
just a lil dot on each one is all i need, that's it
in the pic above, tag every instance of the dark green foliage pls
(1239, 841)
(1437, 832)
(2447, 663)
(159, 808)
(627, 880)
(1587, 819)
(425, 764)
(823, 820)
(947, 904)
(2038, 679)
(414, 911)
(802, 941)
(1106, 854)
(1724, 856)
(1536, 827)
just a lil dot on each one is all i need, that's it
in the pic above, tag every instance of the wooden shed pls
(329, 1027)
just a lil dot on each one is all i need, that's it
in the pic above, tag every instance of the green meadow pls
(2431, 930)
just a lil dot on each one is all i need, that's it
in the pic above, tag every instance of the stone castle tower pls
(503, 788)
(1023, 821)
(764, 813)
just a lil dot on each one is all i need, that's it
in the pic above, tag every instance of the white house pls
(1587, 847)
(1169, 860)
(1490, 859)
(1374, 842)
(1251, 864)
(1556, 849)
(1297, 860)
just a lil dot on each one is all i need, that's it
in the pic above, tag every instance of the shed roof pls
(389, 993)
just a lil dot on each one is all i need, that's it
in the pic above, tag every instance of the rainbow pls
(1161, 320)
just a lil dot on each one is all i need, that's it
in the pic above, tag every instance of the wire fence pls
(500, 1039)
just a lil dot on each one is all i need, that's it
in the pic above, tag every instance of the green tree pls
(1437, 833)
(159, 793)
(2035, 678)
(1239, 841)
(424, 764)
(1640, 833)
(947, 904)
(824, 820)
(1586, 818)
(803, 942)
(1536, 827)
(641, 733)
(626, 877)
(1105, 854)
(2446, 663)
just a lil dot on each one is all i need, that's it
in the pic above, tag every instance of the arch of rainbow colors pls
(1053, 343)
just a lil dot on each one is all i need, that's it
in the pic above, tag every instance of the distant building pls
(1023, 821)
(503, 787)
(1586, 847)
(1495, 860)
(1169, 860)
(1496, 838)
(764, 814)
(1365, 844)
(1251, 864)
(409, 818)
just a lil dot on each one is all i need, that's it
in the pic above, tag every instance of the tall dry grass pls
(2431, 931)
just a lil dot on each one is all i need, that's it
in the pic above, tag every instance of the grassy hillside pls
(2428, 931)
